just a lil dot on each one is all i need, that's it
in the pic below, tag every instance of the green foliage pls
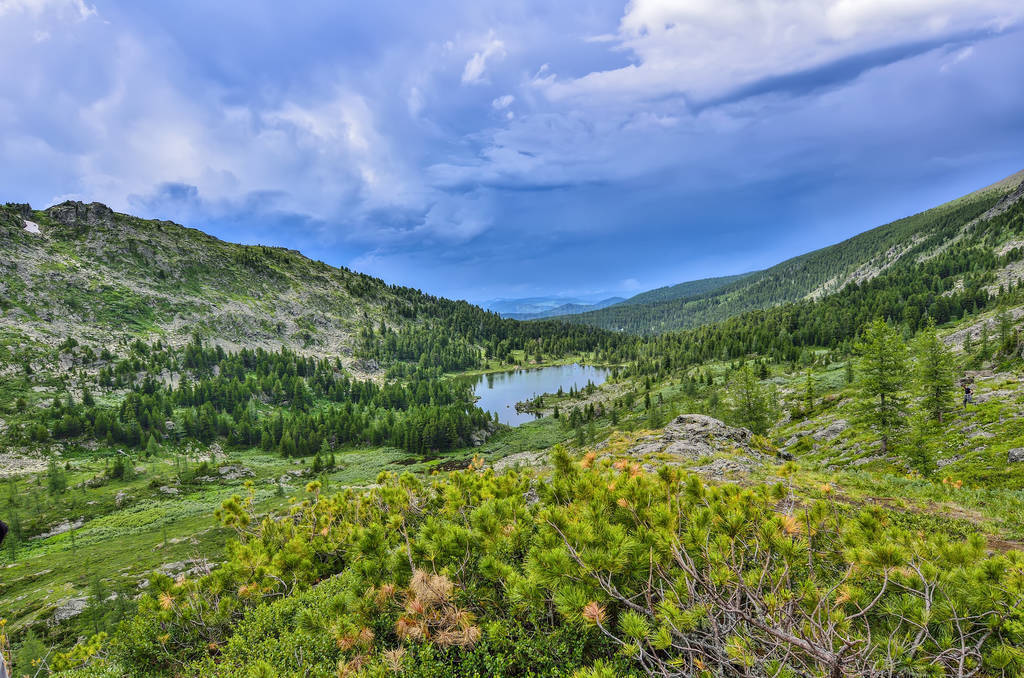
(752, 403)
(934, 366)
(883, 380)
(610, 571)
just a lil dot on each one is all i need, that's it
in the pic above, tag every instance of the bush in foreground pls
(594, 570)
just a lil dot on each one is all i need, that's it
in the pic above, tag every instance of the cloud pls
(705, 48)
(473, 73)
(959, 56)
(74, 9)
(502, 102)
(643, 131)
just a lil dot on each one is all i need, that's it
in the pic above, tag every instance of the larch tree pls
(934, 366)
(883, 373)
(752, 403)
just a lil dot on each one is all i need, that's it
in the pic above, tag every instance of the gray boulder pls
(1015, 455)
(696, 437)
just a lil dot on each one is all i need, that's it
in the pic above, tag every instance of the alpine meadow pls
(515, 341)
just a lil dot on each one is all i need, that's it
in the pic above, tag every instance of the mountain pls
(565, 309)
(528, 304)
(809, 276)
(86, 270)
(539, 307)
(83, 271)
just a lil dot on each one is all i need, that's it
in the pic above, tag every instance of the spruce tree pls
(883, 372)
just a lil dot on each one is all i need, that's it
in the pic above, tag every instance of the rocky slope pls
(84, 271)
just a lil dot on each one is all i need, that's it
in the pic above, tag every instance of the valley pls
(218, 455)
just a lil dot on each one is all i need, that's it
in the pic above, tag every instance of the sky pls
(485, 150)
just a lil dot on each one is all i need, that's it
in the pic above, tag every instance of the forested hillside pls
(808, 276)
(687, 290)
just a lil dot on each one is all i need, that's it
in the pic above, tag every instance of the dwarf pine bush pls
(593, 570)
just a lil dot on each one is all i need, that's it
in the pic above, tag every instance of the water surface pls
(500, 391)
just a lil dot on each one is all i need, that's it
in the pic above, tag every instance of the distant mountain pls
(528, 304)
(565, 309)
(809, 276)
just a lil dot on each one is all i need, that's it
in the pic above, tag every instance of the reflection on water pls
(500, 391)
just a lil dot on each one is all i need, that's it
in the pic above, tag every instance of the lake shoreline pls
(501, 391)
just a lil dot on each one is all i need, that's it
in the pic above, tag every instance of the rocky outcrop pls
(66, 526)
(1015, 456)
(479, 437)
(68, 609)
(719, 449)
(234, 472)
(696, 436)
(73, 213)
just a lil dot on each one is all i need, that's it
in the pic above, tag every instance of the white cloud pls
(458, 220)
(959, 56)
(473, 73)
(708, 47)
(75, 9)
(503, 102)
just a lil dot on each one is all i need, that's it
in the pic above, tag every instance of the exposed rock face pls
(1016, 455)
(525, 459)
(70, 213)
(478, 438)
(193, 568)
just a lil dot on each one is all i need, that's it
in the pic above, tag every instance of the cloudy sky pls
(482, 149)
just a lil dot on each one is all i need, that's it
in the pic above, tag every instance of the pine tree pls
(883, 370)
(934, 367)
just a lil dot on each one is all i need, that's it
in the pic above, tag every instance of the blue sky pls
(480, 150)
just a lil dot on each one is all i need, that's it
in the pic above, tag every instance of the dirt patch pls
(454, 465)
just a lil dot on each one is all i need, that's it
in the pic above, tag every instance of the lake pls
(500, 391)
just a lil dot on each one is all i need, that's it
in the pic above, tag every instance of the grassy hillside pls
(809, 276)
